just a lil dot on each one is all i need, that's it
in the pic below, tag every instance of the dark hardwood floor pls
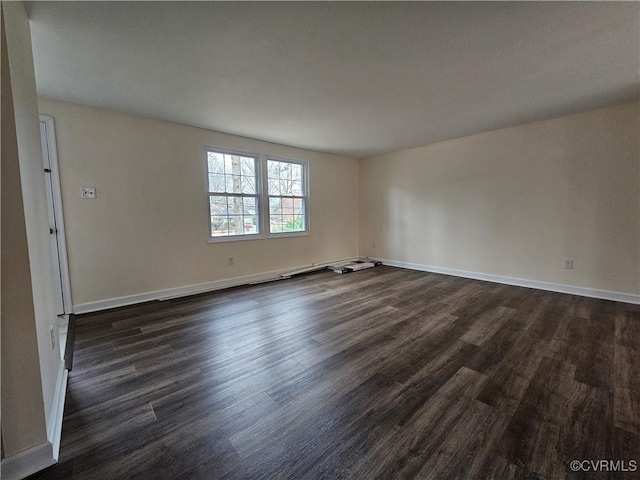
(383, 373)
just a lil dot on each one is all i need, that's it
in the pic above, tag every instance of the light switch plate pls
(88, 192)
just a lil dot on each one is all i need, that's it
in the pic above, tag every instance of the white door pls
(56, 229)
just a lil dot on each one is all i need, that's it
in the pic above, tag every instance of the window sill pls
(235, 238)
(288, 234)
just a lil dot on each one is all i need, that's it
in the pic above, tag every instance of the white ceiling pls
(352, 78)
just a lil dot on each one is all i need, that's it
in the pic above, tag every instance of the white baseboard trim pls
(177, 292)
(44, 454)
(28, 462)
(520, 282)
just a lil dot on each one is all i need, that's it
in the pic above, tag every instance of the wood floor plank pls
(626, 329)
(419, 439)
(533, 436)
(469, 443)
(498, 467)
(384, 373)
(626, 446)
(627, 366)
(508, 380)
(297, 447)
(487, 325)
(627, 409)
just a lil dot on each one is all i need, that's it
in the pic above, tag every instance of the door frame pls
(58, 211)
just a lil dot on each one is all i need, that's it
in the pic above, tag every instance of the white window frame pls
(258, 195)
(262, 195)
(305, 196)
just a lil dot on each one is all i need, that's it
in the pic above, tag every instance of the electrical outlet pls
(373, 244)
(230, 261)
(53, 338)
(88, 192)
(568, 264)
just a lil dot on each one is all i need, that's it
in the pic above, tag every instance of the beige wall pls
(147, 229)
(30, 365)
(515, 202)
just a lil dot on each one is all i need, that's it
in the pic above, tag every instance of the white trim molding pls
(28, 462)
(520, 282)
(44, 454)
(52, 149)
(177, 292)
(54, 429)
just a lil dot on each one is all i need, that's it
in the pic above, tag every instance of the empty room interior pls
(320, 240)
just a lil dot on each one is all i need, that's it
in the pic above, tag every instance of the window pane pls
(275, 206)
(249, 206)
(227, 164)
(228, 183)
(287, 206)
(237, 173)
(286, 170)
(296, 188)
(235, 205)
(215, 162)
(274, 186)
(216, 183)
(237, 184)
(296, 171)
(273, 169)
(219, 226)
(286, 186)
(285, 178)
(218, 205)
(298, 206)
(287, 221)
(275, 223)
(248, 184)
(248, 167)
(250, 224)
(294, 223)
(236, 225)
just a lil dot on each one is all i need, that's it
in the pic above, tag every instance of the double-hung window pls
(234, 200)
(253, 196)
(287, 191)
